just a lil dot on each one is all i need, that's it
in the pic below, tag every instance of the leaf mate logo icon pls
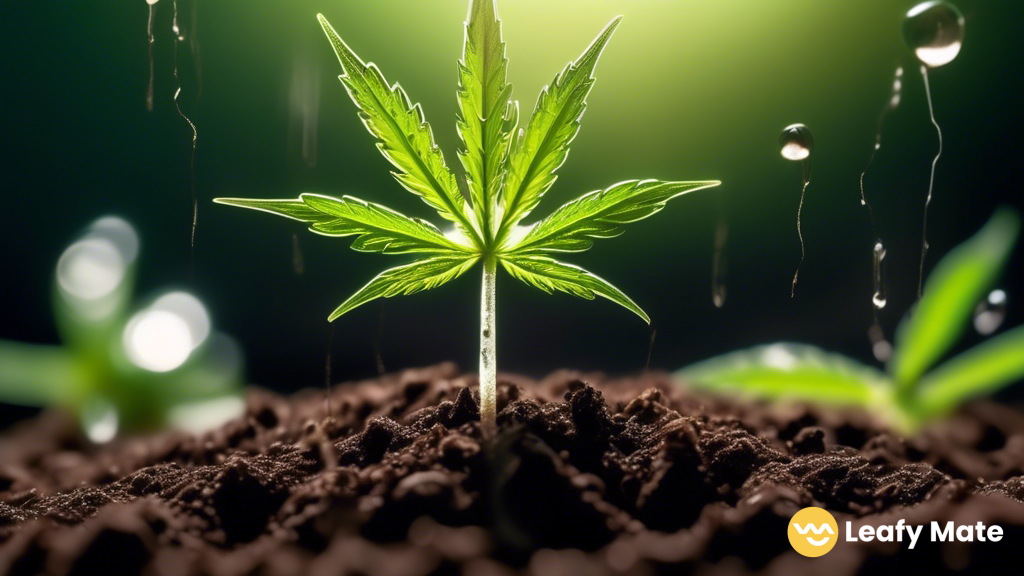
(813, 532)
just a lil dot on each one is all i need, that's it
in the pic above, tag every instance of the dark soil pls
(589, 475)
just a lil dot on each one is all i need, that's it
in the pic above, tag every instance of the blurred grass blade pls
(981, 370)
(602, 214)
(408, 279)
(403, 135)
(484, 96)
(791, 372)
(36, 375)
(549, 275)
(951, 293)
(544, 144)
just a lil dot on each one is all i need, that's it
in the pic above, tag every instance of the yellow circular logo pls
(813, 532)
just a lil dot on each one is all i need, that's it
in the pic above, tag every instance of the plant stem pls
(488, 362)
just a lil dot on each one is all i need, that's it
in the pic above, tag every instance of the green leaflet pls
(544, 145)
(906, 396)
(484, 111)
(405, 137)
(789, 371)
(602, 214)
(548, 275)
(985, 368)
(953, 289)
(380, 229)
(408, 279)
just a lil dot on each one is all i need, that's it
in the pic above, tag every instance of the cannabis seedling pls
(507, 171)
(118, 370)
(905, 394)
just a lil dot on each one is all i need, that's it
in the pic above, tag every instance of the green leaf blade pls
(544, 145)
(983, 369)
(293, 208)
(789, 371)
(484, 110)
(603, 214)
(951, 292)
(408, 279)
(549, 275)
(379, 228)
(403, 135)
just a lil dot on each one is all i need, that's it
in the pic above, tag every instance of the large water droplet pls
(90, 269)
(990, 313)
(151, 2)
(158, 340)
(796, 142)
(190, 310)
(934, 31)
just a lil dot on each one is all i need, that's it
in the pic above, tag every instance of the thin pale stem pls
(931, 181)
(488, 361)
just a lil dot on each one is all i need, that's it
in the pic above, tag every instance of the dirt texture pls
(588, 475)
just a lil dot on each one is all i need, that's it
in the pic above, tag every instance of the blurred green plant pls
(905, 394)
(507, 170)
(161, 365)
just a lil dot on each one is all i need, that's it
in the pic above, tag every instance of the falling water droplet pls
(990, 313)
(718, 263)
(935, 32)
(796, 143)
(879, 299)
(880, 347)
(298, 262)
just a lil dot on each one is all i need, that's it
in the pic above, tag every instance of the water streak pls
(180, 37)
(718, 263)
(806, 165)
(931, 181)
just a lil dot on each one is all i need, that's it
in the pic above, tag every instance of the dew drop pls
(100, 421)
(934, 31)
(796, 142)
(90, 269)
(158, 340)
(990, 313)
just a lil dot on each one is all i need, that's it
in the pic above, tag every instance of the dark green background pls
(687, 89)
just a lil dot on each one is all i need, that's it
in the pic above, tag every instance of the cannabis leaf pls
(507, 171)
(906, 394)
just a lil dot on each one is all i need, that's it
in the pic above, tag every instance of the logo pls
(813, 532)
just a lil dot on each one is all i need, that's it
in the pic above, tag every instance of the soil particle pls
(588, 475)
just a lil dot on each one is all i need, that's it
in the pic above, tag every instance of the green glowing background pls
(687, 89)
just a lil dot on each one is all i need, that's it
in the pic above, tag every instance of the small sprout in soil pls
(508, 168)
(118, 370)
(904, 394)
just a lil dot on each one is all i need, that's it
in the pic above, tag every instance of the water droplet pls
(118, 231)
(90, 269)
(718, 264)
(158, 340)
(151, 2)
(880, 347)
(934, 31)
(100, 421)
(190, 310)
(990, 313)
(796, 142)
(879, 298)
